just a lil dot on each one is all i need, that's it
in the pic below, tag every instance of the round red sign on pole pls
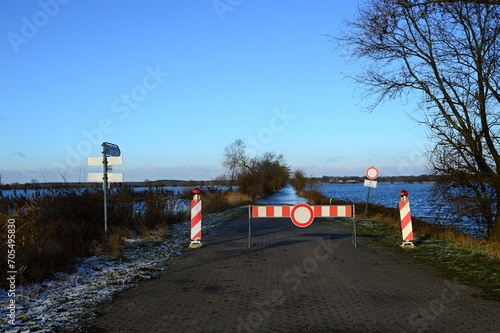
(371, 173)
(302, 215)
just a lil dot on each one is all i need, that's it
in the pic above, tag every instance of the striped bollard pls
(196, 220)
(406, 226)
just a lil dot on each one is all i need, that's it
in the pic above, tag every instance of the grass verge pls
(473, 261)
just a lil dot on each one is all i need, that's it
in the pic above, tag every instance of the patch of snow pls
(67, 301)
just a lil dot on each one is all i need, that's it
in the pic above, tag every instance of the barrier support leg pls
(249, 226)
(354, 226)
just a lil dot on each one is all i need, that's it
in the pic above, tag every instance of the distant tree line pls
(35, 185)
(385, 179)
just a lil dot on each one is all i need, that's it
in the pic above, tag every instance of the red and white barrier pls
(271, 211)
(406, 225)
(196, 220)
(318, 211)
(332, 211)
(302, 215)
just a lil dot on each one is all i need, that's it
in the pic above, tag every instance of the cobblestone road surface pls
(297, 280)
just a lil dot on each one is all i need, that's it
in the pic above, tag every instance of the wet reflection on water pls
(285, 196)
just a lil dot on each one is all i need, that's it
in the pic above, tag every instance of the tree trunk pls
(494, 233)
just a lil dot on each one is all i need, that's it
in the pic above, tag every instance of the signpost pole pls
(354, 226)
(112, 150)
(249, 226)
(367, 200)
(105, 189)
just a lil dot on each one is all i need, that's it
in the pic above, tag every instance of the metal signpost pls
(372, 174)
(110, 156)
(111, 150)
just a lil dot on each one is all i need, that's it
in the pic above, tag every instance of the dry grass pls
(236, 199)
(486, 246)
(115, 243)
(314, 197)
(428, 231)
(54, 229)
(215, 200)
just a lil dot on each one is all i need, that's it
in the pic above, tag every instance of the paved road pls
(297, 280)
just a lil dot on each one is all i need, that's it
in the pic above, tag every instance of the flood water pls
(423, 205)
(285, 196)
(385, 194)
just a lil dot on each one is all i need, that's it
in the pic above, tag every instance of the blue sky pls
(174, 82)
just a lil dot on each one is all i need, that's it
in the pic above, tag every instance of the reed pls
(216, 200)
(56, 228)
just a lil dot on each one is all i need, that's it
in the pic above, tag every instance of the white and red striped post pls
(406, 225)
(196, 220)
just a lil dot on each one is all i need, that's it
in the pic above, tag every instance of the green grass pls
(474, 261)
(470, 266)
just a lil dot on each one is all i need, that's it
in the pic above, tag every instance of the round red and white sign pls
(302, 215)
(371, 173)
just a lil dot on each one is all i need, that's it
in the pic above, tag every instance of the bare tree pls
(447, 54)
(257, 176)
(410, 3)
(235, 158)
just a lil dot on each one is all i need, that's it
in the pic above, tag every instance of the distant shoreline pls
(422, 179)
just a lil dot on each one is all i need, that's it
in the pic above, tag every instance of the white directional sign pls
(370, 183)
(111, 149)
(112, 160)
(112, 177)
